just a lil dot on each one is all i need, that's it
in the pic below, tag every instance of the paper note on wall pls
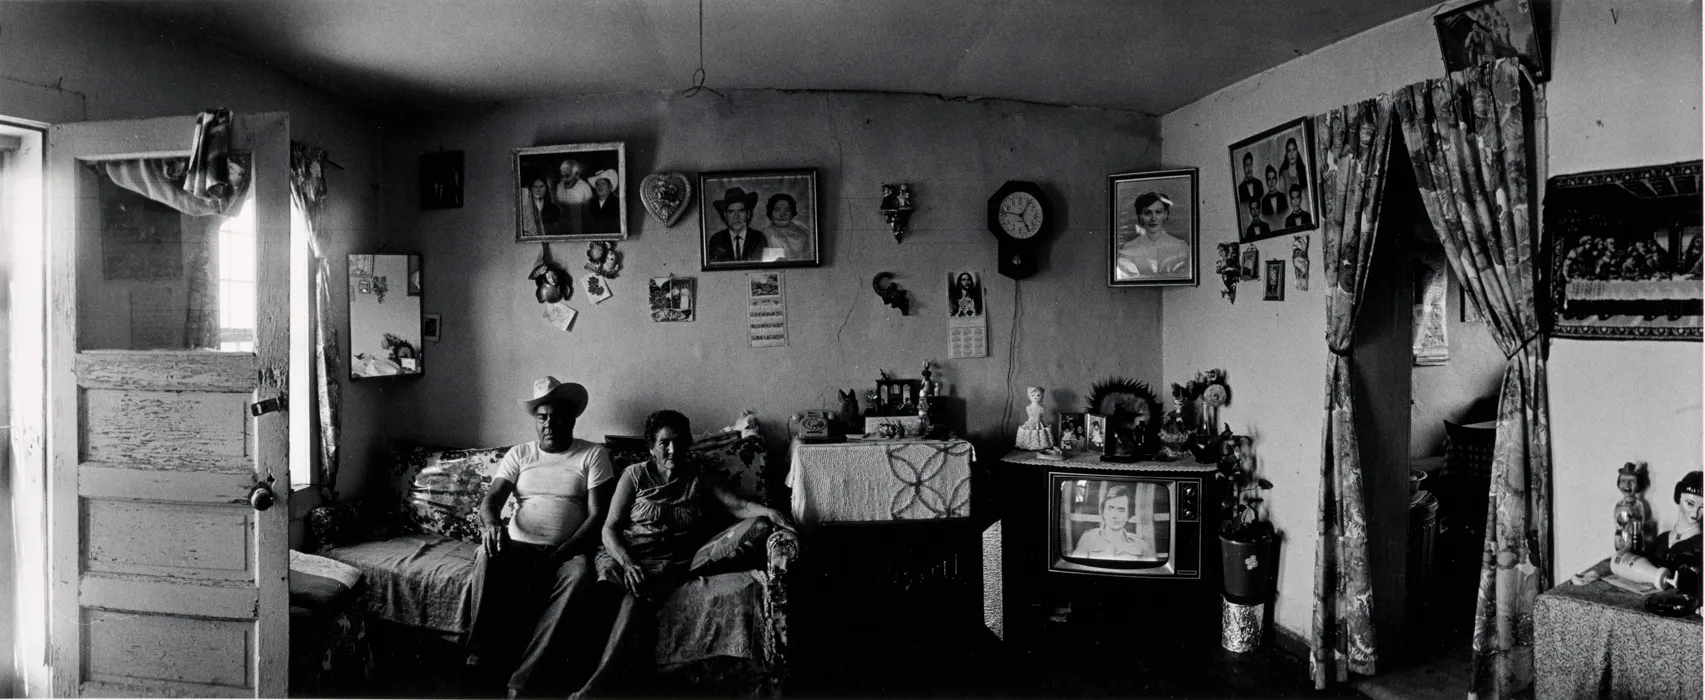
(967, 316)
(561, 315)
(766, 309)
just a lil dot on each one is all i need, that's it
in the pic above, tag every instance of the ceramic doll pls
(1033, 435)
(1632, 514)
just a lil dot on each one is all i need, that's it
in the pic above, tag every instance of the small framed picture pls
(1275, 281)
(1152, 228)
(429, 327)
(671, 299)
(1487, 30)
(757, 219)
(571, 193)
(1251, 264)
(1095, 429)
(441, 180)
(1276, 188)
(1072, 432)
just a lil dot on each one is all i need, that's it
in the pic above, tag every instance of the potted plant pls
(1248, 543)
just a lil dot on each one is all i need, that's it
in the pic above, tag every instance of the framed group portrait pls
(757, 219)
(1484, 31)
(1275, 187)
(1152, 228)
(571, 193)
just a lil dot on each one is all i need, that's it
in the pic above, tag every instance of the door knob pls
(262, 497)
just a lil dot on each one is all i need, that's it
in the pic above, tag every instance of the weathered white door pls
(164, 330)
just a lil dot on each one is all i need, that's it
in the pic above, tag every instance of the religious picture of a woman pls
(964, 296)
(1152, 253)
(1111, 540)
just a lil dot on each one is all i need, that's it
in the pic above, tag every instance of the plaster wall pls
(1625, 92)
(1071, 328)
(1448, 391)
(71, 62)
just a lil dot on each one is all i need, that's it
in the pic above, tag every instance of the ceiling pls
(1149, 56)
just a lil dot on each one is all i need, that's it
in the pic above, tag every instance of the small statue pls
(1632, 514)
(891, 293)
(1033, 434)
(849, 411)
(1675, 560)
(896, 207)
(872, 403)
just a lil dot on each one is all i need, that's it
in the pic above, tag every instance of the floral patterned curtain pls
(308, 194)
(1468, 136)
(1355, 143)
(210, 185)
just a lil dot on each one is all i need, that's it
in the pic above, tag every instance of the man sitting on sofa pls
(528, 573)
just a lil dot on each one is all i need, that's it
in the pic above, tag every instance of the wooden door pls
(164, 580)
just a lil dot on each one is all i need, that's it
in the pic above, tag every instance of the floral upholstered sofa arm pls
(783, 546)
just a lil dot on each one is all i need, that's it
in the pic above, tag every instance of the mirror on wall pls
(384, 316)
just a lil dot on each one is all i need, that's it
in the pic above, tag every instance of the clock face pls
(1020, 215)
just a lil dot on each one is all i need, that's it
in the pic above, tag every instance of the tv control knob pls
(1187, 513)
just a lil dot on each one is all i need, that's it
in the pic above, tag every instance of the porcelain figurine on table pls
(1033, 434)
(1632, 514)
(1678, 549)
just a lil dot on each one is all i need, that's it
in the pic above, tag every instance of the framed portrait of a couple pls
(758, 219)
(571, 193)
(1152, 226)
(1275, 188)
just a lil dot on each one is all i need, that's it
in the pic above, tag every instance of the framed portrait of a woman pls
(1152, 228)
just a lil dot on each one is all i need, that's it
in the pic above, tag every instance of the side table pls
(1597, 640)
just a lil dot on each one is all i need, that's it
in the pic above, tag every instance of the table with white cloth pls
(894, 557)
(880, 480)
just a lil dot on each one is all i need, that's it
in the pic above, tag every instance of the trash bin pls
(1423, 533)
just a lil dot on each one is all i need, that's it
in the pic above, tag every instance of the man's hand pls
(491, 538)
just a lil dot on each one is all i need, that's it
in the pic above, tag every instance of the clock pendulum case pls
(1020, 217)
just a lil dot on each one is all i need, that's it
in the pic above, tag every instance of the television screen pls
(1113, 525)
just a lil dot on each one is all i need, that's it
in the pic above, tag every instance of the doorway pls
(23, 524)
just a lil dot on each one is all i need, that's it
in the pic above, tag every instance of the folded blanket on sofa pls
(420, 580)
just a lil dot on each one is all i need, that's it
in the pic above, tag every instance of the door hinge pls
(280, 402)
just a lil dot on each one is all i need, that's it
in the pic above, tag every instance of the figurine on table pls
(1033, 435)
(1674, 561)
(1632, 514)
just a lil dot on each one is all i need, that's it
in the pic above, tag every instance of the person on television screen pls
(1112, 540)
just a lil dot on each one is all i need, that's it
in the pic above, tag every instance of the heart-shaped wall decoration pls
(665, 195)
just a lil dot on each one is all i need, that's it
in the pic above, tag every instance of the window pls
(237, 280)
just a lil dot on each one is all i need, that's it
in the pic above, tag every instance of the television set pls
(1102, 547)
(1125, 525)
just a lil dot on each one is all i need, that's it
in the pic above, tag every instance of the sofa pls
(415, 541)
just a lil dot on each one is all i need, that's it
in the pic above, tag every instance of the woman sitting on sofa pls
(663, 511)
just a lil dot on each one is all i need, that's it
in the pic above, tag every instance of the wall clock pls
(1020, 217)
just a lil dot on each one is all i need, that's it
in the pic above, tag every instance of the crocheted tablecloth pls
(880, 480)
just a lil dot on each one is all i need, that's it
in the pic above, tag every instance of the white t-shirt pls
(551, 489)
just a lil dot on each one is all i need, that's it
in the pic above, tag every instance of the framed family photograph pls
(757, 219)
(1276, 190)
(1152, 228)
(571, 193)
(1487, 30)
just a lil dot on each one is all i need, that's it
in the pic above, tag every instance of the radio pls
(817, 426)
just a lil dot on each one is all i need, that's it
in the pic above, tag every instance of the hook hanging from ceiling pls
(699, 75)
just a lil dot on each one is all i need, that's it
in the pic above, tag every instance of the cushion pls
(440, 488)
(419, 580)
(320, 586)
(734, 454)
(739, 547)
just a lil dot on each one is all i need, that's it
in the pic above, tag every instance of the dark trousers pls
(520, 594)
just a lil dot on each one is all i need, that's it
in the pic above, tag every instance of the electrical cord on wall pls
(1011, 353)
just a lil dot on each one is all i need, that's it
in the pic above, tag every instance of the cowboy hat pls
(605, 175)
(735, 194)
(570, 396)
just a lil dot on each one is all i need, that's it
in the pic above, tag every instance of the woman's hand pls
(634, 576)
